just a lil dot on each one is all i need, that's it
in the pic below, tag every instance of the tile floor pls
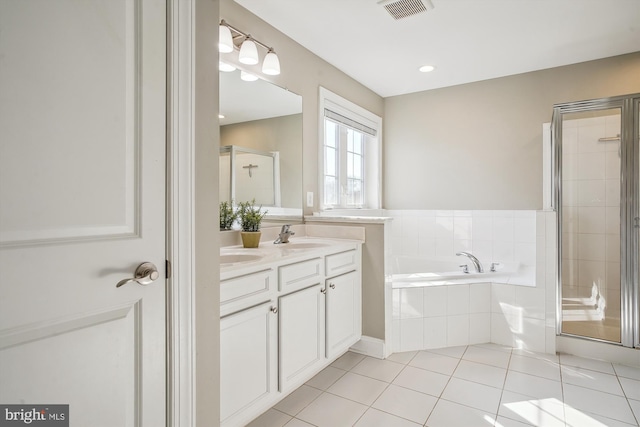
(469, 386)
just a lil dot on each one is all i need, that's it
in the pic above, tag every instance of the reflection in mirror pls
(261, 145)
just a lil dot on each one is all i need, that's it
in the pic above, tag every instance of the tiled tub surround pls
(515, 309)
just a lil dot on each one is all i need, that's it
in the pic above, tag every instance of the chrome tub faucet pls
(476, 262)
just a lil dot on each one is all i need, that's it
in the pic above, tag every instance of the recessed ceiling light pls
(220, 116)
(427, 68)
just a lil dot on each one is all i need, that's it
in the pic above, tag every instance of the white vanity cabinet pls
(343, 313)
(248, 360)
(301, 328)
(282, 322)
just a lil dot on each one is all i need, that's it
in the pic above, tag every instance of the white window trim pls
(373, 155)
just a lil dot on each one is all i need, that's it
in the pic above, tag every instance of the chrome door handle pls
(146, 273)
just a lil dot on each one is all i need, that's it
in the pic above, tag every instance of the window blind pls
(349, 122)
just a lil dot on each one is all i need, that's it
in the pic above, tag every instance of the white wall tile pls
(457, 330)
(591, 220)
(435, 298)
(612, 164)
(444, 228)
(525, 253)
(457, 299)
(435, 332)
(482, 228)
(462, 245)
(479, 328)
(532, 301)
(444, 248)
(612, 220)
(591, 247)
(612, 191)
(501, 330)
(591, 166)
(591, 193)
(503, 229)
(462, 227)
(411, 334)
(503, 251)
(480, 298)
(502, 297)
(532, 336)
(612, 253)
(524, 229)
(395, 304)
(395, 339)
(411, 303)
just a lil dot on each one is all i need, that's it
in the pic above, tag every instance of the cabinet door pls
(344, 323)
(248, 360)
(301, 335)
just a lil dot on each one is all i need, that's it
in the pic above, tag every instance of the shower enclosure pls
(596, 184)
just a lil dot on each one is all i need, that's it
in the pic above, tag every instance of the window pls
(350, 157)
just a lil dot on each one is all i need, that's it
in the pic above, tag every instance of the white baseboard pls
(373, 347)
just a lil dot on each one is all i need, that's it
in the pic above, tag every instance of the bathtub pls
(411, 271)
(435, 304)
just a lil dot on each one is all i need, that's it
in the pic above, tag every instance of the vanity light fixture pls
(225, 40)
(427, 68)
(248, 52)
(248, 47)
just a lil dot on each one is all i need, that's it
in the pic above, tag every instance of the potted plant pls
(227, 215)
(250, 218)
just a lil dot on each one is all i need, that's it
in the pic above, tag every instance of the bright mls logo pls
(34, 415)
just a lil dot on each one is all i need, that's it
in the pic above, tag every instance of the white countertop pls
(269, 254)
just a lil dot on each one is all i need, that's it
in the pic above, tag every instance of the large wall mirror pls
(261, 145)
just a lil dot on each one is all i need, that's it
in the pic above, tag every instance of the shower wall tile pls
(591, 220)
(612, 192)
(612, 220)
(591, 247)
(612, 247)
(591, 165)
(591, 193)
(612, 163)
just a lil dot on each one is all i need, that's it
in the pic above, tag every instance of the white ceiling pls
(466, 40)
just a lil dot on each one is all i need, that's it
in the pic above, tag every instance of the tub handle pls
(465, 268)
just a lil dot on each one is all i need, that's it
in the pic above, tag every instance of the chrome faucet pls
(476, 262)
(284, 235)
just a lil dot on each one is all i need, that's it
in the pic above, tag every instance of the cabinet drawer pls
(301, 274)
(342, 262)
(248, 289)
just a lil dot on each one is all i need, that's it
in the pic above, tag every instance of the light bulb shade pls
(248, 53)
(247, 77)
(271, 64)
(223, 66)
(225, 41)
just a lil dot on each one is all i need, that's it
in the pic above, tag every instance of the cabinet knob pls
(274, 309)
(332, 286)
(323, 290)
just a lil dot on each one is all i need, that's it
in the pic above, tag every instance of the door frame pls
(192, 400)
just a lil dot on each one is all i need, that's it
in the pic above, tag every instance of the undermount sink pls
(236, 258)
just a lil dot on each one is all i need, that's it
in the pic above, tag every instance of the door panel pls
(82, 187)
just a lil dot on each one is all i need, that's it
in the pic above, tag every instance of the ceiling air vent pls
(403, 8)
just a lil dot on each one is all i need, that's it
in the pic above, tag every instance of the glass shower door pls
(590, 153)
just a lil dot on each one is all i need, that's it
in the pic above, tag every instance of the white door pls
(82, 203)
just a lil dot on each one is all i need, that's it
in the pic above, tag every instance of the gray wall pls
(479, 145)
